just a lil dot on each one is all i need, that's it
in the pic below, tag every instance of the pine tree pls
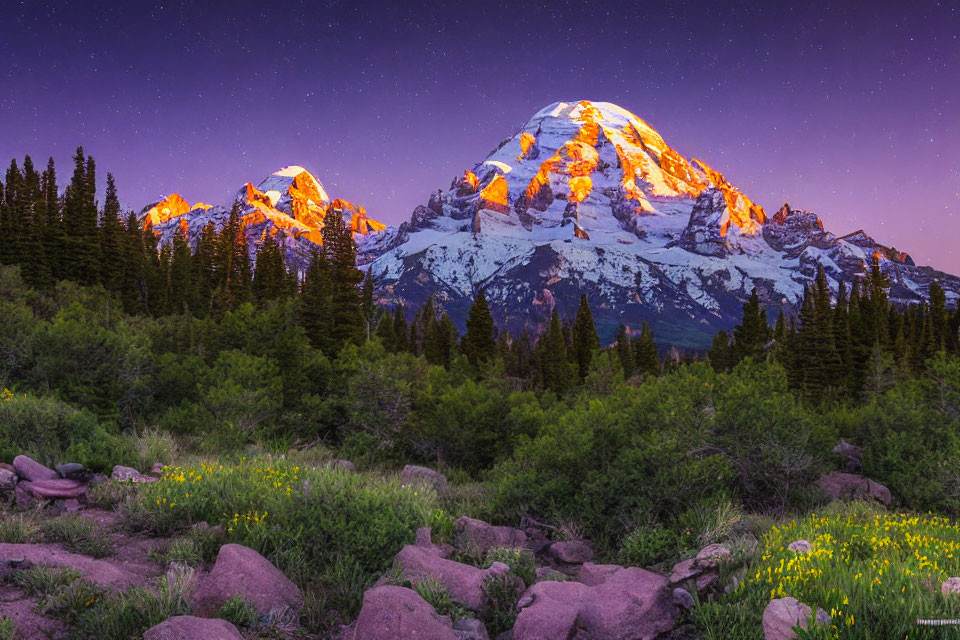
(111, 232)
(752, 334)
(625, 352)
(720, 356)
(54, 238)
(556, 372)
(347, 324)
(585, 339)
(179, 275)
(479, 342)
(368, 307)
(270, 279)
(314, 304)
(446, 340)
(645, 352)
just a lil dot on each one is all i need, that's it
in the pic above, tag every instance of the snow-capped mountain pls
(588, 198)
(290, 205)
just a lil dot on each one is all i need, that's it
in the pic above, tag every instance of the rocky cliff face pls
(290, 205)
(588, 198)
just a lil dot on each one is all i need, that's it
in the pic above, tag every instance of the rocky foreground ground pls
(566, 594)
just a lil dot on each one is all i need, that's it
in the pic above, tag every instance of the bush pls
(51, 432)
(647, 545)
(440, 599)
(8, 628)
(520, 561)
(316, 525)
(239, 612)
(78, 535)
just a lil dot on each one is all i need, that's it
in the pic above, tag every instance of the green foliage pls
(51, 431)
(41, 581)
(8, 628)
(647, 545)
(239, 612)
(501, 593)
(17, 529)
(433, 591)
(77, 534)
(520, 561)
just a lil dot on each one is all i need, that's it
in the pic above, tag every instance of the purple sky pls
(851, 109)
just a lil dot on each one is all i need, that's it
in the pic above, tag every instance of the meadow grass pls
(874, 572)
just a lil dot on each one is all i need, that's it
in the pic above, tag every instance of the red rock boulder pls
(241, 571)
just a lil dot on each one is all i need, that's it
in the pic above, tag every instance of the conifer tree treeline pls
(845, 345)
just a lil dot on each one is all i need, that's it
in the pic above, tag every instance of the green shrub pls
(8, 629)
(647, 545)
(440, 599)
(51, 431)
(70, 601)
(501, 593)
(17, 528)
(42, 581)
(315, 524)
(520, 561)
(239, 612)
(78, 535)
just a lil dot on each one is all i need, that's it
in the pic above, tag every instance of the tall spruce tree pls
(752, 334)
(479, 342)
(625, 352)
(556, 372)
(645, 352)
(585, 339)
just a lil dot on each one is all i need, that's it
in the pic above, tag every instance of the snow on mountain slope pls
(289, 204)
(588, 198)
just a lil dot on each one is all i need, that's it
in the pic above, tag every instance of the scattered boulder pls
(192, 628)
(800, 546)
(73, 471)
(23, 498)
(617, 603)
(682, 598)
(781, 615)
(391, 612)
(241, 571)
(342, 465)
(413, 474)
(549, 573)
(703, 567)
(157, 469)
(102, 572)
(464, 582)
(32, 470)
(950, 586)
(839, 485)
(8, 479)
(470, 629)
(54, 489)
(571, 552)
(851, 455)
(479, 536)
(122, 474)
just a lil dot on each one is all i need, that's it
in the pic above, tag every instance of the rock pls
(7, 466)
(572, 552)
(549, 573)
(839, 485)
(682, 598)
(800, 546)
(241, 571)
(24, 499)
(850, 453)
(122, 474)
(464, 582)
(192, 628)
(157, 469)
(72, 471)
(413, 474)
(342, 465)
(103, 572)
(477, 535)
(950, 586)
(703, 566)
(8, 479)
(56, 489)
(630, 603)
(391, 613)
(423, 540)
(783, 614)
(470, 629)
(31, 470)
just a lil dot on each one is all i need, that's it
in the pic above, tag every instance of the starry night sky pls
(851, 109)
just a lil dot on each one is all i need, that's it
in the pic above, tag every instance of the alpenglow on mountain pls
(585, 198)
